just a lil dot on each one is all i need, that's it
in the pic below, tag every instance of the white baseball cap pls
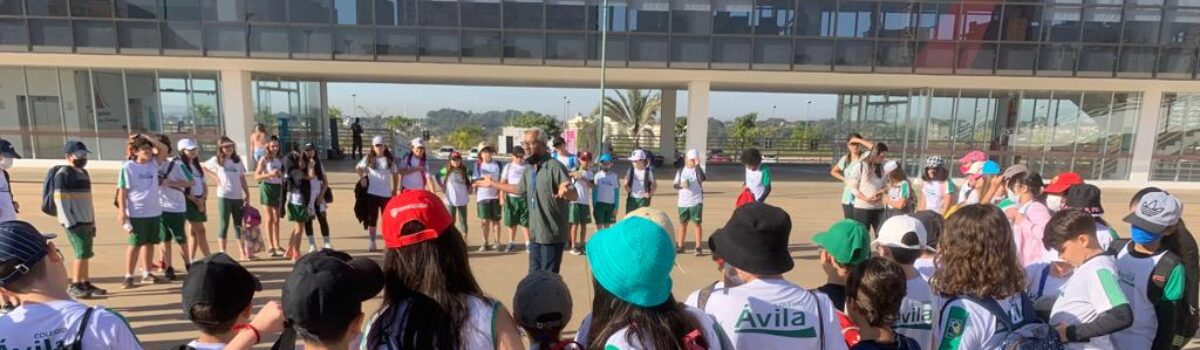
(378, 140)
(902, 231)
(890, 166)
(693, 154)
(186, 144)
(418, 142)
(637, 155)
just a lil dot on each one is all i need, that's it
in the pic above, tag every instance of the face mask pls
(1054, 202)
(6, 163)
(79, 162)
(731, 277)
(1141, 236)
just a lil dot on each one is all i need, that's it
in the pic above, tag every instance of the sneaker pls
(152, 279)
(527, 246)
(275, 253)
(79, 291)
(482, 248)
(128, 283)
(507, 248)
(576, 251)
(699, 251)
(679, 250)
(95, 290)
(312, 248)
(371, 247)
(169, 273)
(328, 246)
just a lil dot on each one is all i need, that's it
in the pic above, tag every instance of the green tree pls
(466, 136)
(336, 113)
(744, 130)
(681, 127)
(634, 109)
(551, 126)
(205, 114)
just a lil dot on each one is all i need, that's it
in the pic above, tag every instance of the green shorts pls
(488, 209)
(605, 213)
(297, 213)
(81, 237)
(270, 195)
(691, 214)
(172, 227)
(516, 212)
(632, 204)
(194, 214)
(145, 231)
(579, 214)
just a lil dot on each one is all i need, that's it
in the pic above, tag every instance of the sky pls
(415, 100)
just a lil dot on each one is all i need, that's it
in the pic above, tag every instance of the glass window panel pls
(95, 36)
(565, 46)
(111, 113)
(13, 35)
(439, 13)
(79, 123)
(11, 7)
(226, 39)
(223, 10)
(42, 109)
(47, 34)
(980, 21)
(310, 11)
(617, 50)
(649, 16)
(564, 14)
(1057, 58)
(181, 36)
(181, 10)
(144, 9)
(1022, 23)
(898, 20)
(813, 54)
(1176, 62)
(618, 20)
(855, 53)
(312, 43)
(692, 49)
(1137, 59)
(936, 21)
(895, 54)
(1141, 25)
(1018, 59)
(143, 101)
(266, 11)
(397, 42)
(523, 14)
(480, 13)
(354, 43)
(352, 11)
(648, 48)
(1097, 58)
(91, 8)
(135, 36)
(1182, 27)
(979, 57)
(937, 56)
(692, 17)
(396, 12)
(47, 7)
(268, 41)
(773, 51)
(732, 16)
(176, 107)
(481, 44)
(1188, 3)
(1062, 23)
(522, 45)
(443, 43)
(1102, 24)
(731, 50)
(816, 18)
(774, 17)
(854, 19)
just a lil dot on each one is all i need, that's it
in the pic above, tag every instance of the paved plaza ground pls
(157, 318)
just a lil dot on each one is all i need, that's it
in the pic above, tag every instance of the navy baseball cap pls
(76, 147)
(221, 282)
(22, 243)
(7, 150)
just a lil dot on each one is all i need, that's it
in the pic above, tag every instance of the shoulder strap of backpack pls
(705, 293)
(7, 180)
(1160, 275)
(647, 179)
(77, 342)
(1117, 245)
(994, 308)
(1042, 281)
(820, 319)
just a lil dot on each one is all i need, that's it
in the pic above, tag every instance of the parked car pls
(770, 158)
(716, 155)
(474, 154)
(444, 152)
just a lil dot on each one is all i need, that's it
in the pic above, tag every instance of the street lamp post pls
(603, 72)
(355, 110)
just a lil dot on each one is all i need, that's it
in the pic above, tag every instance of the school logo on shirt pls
(780, 321)
(1127, 278)
(918, 316)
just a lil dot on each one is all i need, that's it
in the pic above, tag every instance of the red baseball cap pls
(420, 206)
(585, 156)
(1062, 182)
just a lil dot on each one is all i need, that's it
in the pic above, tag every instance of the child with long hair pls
(176, 180)
(937, 191)
(1030, 216)
(299, 199)
(197, 199)
(232, 192)
(377, 171)
(874, 294)
(431, 299)
(869, 188)
(900, 197)
(320, 192)
(857, 148)
(978, 266)
(455, 182)
(269, 175)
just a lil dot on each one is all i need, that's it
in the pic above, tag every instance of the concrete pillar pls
(237, 107)
(1147, 133)
(697, 117)
(326, 136)
(666, 127)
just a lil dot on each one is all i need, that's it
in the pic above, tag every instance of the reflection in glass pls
(732, 16)
(1022, 22)
(523, 14)
(444, 43)
(565, 46)
(1141, 25)
(772, 51)
(1016, 59)
(1098, 59)
(352, 12)
(13, 35)
(310, 11)
(1057, 59)
(11, 7)
(111, 114)
(438, 13)
(648, 48)
(731, 50)
(142, 9)
(266, 11)
(138, 37)
(181, 10)
(47, 7)
(693, 49)
(899, 20)
(354, 43)
(565, 14)
(91, 8)
(95, 36)
(895, 54)
(521, 45)
(225, 39)
(223, 10)
(143, 104)
(181, 37)
(481, 44)
(1182, 27)
(49, 35)
(1062, 23)
(480, 13)
(79, 123)
(312, 43)
(1177, 148)
(268, 41)
(1102, 24)
(813, 54)
(1176, 62)
(618, 20)
(854, 19)
(855, 53)
(617, 49)
(397, 42)
(976, 58)
(774, 17)
(936, 21)
(1137, 60)
(650, 16)
(691, 17)
(206, 106)
(977, 21)
(396, 12)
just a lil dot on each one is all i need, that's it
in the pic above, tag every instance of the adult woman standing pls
(259, 140)
(197, 199)
(378, 173)
(869, 188)
(269, 174)
(850, 164)
(232, 192)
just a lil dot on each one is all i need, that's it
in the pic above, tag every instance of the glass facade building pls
(1088, 38)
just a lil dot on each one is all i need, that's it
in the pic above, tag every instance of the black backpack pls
(648, 179)
(48, 206)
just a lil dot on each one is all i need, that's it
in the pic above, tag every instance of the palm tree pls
(633, 109)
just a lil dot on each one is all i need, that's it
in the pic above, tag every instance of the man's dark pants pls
(545, 256)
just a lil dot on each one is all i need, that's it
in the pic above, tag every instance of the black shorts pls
(375, 205)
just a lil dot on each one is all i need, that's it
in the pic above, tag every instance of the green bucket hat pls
(633, 261)
(847, 241)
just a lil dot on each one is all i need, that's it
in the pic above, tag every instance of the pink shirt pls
(1028, 232)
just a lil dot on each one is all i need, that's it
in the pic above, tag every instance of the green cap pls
(847, 241)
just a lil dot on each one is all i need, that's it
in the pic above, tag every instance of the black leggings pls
(375, 205)
(872, 218)
(320, 218)
(847, 211)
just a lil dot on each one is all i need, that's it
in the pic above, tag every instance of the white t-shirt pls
(968, 195)
(934, 192)
(565, 159)
(774, 314)
(196, 344)
(491, 170)
(413, 180)
(379, 177)
(1091, 290)
(230, 177)
(8, 211)
(607, 186)
(583, 186)
(925, 268)
(916, 312)
(757, 182)
(173, 199)
(1037, 289)
(33, 325)
(270, 166)
(142, 192)
(621, 340)
(457, 189)
(638, 187)
(691, 193)
(965, 325)
(512, 175)
(199, 185)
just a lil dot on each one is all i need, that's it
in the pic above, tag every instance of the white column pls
(1147, 133)
(666, 127)
(697, 117)
(323, 120)
(237, 107)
